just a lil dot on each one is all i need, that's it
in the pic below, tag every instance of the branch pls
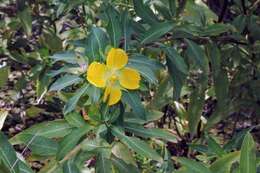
(243, 6)
(223, 11)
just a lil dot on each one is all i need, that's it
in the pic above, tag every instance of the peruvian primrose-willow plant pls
(128, 68)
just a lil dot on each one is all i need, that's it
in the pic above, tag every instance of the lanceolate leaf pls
(70, 167)
(134, 100)
(4, 73)
(248, 155)
(127, 29)
(139, 59)
(114, 28)
(8, 155)
(224, 163)
(178, 70)
(143, 11)
(198, 56)
(150, 132)
(103, 164)
(194, 166)
(124, 167)
(72, 102)
(52, 129)
(155, 32)
(75, 119)
(66, 56)
(137, 145)
(146, 66)
(24, 168)
(39, 145)
(196, 104)
(26, 20)
(71, 140)
(177, 60)
(64, 81)
(96, 44)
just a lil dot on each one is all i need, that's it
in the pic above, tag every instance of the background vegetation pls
(197, 110)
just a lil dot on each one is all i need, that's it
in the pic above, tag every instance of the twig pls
(243, 6)
(71, 153)
(255, 5)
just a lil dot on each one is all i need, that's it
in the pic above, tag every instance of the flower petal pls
(112, 94)
(96, 74)
(117, 58)
(129, 78)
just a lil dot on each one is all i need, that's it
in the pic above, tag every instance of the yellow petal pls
(113, 95)
(117, 58)
(129, 78)
(96, 74)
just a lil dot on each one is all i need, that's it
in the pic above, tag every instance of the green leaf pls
(94, 93)
(236, 142)
(144, 61)
(196, 105)
(42, 84)
(24, 168)
(96, 44)
(214, 146)
(26, 20)
(122, 152)
(52, 167)
(155, 32)
(66, 56)
(97, 144)
(196, 167)
(103, 164)
(178, 70)
(150, 132)
(72, 102)
(39, 145)
(134, 100)
(146, 66)
(176, 60)
(142, 10)
(173, 9)
(50, 40)
(146, 72)
(197, 54)
(75, 119)
(162, 8)
(71, 140)
(70, 167)
(126, 29)
(248, 155)
(52, 129)
(240, 22)
(224, 163)
(215, 29)
(151, 115)
(137, 145)
(33, 111)
(8, 155)
(123, 167)
(4, 73)
(3, 115)
(114, 29)
(64, 81)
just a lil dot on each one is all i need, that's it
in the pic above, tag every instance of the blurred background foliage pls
(199, 98)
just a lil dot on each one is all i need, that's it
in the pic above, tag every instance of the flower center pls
(113, 79)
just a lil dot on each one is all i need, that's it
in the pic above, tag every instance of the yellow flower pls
(113, 76)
